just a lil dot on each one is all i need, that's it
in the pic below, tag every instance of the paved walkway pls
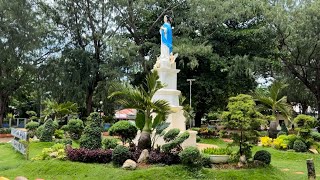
(5, 140)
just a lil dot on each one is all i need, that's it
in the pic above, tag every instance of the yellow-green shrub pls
(266, 141)
(281, 142)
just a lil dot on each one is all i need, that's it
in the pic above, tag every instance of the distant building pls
(126, 114)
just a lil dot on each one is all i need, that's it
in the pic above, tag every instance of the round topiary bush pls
(299, 146)
(32, 125)
(263, 156)
(110, 143)
(75, 128)
(120, 154)
(190, 156)
(125, 130)
(47, 132)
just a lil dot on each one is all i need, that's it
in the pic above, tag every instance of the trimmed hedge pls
(125, 130)
(89, 155)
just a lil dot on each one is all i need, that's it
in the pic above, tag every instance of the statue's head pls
(167, 19)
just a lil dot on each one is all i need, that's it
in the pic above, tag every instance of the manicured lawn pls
(13, 164)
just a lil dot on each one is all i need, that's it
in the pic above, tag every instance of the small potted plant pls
(218, 155)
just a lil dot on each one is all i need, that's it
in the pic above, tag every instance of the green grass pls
(13, 164)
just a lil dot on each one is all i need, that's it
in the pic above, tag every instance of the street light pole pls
(190, 81)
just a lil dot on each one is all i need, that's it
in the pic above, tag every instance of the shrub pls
(120, 154)
(171, 134)
(32, 126)
(290, 139)
(217, 151)
(57, 151)
(205, 159)
(281, 133)
(39, 131)
(299, 146)
(110, 143)
(91, 137)
(284, 128)
(74, 128)
(266, 141)
(198, 139)
(263, 133)
(176, 143)
(281, 142)
(55, 125)
(59, 134)
(305, 121)
(63, 141)
(125, 130)
(157, 157)
(89, 155)
(47, 132)
(263, 156)
(190, 156)
(315, 135)
(5, 130)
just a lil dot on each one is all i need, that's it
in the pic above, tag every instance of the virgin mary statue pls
(166, 37)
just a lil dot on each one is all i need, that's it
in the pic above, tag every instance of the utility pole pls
(190, 81)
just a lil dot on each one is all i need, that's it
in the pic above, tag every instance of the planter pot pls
(216, 159)
(5, 135)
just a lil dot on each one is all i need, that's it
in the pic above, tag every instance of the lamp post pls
(190, 81)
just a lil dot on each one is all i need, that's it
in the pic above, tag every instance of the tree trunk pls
(197, 118)
(144, 141)
(3, 106)
(89, 102)
(311, 169)
(304, 108)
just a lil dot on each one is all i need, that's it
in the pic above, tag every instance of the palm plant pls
(270, 101)
(149, 112)
(57, 110)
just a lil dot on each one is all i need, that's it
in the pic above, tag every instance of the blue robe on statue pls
(166, 38)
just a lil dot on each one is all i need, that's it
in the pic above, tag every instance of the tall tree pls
(219, 45)
(21, 35)
(297, 26)
(86, 29)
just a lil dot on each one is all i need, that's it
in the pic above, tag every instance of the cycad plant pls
(150, 112)
(270, 101)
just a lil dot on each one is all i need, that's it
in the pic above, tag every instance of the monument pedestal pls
(168, 76)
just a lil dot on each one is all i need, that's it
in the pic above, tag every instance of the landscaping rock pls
(257, 163)
(144, 156)
(314, 151)
(129, 164)
(20, 178)
(53, 154)
(242, 161)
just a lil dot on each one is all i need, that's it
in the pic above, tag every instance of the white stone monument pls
(167, 71)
